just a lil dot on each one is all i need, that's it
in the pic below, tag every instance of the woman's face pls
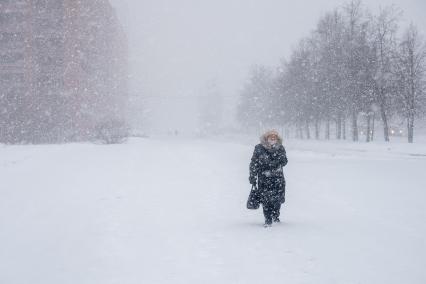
(272, 140)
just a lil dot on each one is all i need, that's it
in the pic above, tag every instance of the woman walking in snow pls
(266, 169)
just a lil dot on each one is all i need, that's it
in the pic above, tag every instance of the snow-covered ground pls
(173, 211)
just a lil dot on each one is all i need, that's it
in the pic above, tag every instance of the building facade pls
(63, 68)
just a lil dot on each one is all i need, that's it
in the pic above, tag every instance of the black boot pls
(268, 223)
(276, 213)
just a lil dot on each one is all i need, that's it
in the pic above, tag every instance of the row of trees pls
(353, 65)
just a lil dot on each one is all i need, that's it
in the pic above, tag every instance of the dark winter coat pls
(267, 166)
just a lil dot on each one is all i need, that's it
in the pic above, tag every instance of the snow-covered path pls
(157, 211)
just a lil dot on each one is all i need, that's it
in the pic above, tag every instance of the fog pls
(176, 48)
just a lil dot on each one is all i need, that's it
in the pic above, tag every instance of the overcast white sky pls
(176, 46)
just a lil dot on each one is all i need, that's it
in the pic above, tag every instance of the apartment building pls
(63, 69)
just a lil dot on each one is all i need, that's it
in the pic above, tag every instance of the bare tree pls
(411, 69)
(254, 110)
(332, 70)
(354, 16)
(384, 29)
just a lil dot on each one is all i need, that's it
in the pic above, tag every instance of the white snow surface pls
(165, 210)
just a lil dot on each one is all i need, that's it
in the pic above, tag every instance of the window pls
(11, 58)
(15, 18)
(10, 78)
(7, 38)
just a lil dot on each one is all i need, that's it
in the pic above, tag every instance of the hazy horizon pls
(177, 47)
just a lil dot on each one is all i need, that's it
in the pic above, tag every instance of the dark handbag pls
(253, 201)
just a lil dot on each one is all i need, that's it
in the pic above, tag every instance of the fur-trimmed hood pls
(264, 138)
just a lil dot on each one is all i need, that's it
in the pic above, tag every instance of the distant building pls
(63, 70)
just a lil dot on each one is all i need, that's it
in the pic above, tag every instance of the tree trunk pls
(317, 129)
(385, 123)
(327, 129)
(344, 127)
(410, 128)
(372, 127)
(368, 134)
(339, 127)
(354, 126)
(412, 96)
